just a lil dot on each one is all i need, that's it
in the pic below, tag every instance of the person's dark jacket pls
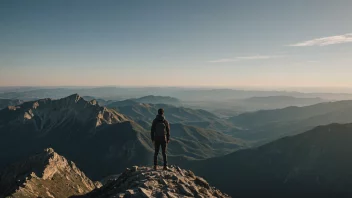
(160, 118)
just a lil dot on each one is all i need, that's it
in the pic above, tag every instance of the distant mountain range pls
(147, 112)
(268, 125)
(93, 136)
(277, 102)
(316, 163)
(233, 107)
(150, 99)
(147, 100)
(144, 114)
(184, 94)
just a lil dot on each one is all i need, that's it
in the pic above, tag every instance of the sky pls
(205, 43)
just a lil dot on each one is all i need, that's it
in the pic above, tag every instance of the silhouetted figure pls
(160, 134)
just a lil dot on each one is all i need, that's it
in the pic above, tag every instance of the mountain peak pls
(75, 97)
(49, 150)
(146, 182)
(44, 175)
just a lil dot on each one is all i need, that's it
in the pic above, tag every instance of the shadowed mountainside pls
(314, 163)
(83, 131)
(199, 143)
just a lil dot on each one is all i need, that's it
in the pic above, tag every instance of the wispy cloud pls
(240, 58)
(332, 40)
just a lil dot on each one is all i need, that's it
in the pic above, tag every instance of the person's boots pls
(155, 167)
(165, 168)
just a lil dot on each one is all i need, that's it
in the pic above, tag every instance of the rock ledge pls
(146, 182)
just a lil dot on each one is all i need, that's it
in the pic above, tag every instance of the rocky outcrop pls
(44, 175)
(146, 182)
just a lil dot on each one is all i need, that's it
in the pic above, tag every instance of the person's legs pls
(156, 147)
(164, 147)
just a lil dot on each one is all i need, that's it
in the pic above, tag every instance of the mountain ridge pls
(46, 174)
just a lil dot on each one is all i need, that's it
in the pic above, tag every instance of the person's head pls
(161, 111)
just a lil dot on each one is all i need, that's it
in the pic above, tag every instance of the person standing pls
(160, 135)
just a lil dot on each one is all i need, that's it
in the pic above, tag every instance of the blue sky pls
(272, 43)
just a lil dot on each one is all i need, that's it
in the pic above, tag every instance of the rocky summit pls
(147, 182)
(44, 175)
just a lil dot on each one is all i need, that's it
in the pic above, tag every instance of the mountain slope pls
(44, 175)
(145, 114)
(202, 143)
(73, 127)
(313, 163)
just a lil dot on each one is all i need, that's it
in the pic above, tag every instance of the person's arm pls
(167, 131)
(152, 131)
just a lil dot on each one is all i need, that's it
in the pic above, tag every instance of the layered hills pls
(145, 113)
(95, 136)
(267, 125)
(275, 102)
(200, 143)
(151, 99)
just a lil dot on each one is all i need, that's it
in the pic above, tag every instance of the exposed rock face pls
(44, 175)
(146, 182)
(46, 114)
